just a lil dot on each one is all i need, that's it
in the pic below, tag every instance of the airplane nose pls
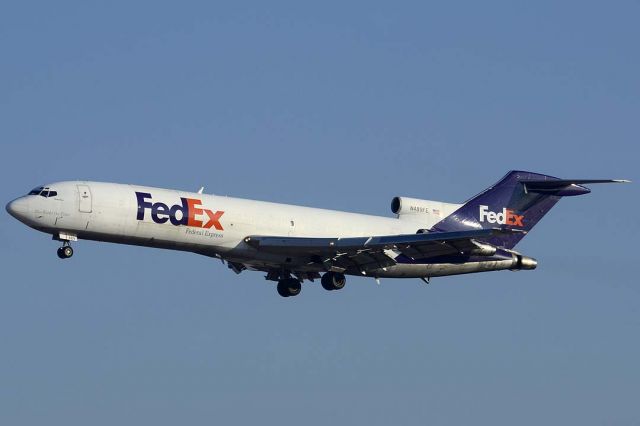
(17, 208)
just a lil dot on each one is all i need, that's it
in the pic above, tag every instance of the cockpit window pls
(36, 191)
(43, 192)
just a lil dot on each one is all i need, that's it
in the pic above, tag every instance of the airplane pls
(292, 244)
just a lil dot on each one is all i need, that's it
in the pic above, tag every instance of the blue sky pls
(341, 105)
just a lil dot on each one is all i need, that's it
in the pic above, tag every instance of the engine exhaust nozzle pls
(524, 262)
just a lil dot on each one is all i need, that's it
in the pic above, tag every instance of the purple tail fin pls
(517, 201)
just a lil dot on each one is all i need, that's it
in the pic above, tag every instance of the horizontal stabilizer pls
(564, 187)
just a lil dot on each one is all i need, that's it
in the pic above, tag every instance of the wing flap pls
(367, 260)
(438, 248)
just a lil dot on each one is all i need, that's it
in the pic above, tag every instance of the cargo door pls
(84, 199)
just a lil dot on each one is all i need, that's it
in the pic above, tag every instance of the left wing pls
(369, 253)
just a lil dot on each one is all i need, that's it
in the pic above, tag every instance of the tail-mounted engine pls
(421, 210)
(523, 262)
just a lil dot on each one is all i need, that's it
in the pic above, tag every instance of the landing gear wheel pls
(333, 281)
(282, 290)
(289, 287)
(65, 252)
(339, 280)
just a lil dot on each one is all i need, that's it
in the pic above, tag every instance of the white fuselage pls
(216, 226)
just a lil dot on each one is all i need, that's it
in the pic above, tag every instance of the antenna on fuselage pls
(200, 190)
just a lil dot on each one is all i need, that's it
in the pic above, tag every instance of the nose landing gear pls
(65, 251)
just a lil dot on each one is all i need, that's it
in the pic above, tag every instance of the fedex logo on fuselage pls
(505, 217)
(189, 213)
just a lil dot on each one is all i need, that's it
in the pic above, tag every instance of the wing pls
(376, 252)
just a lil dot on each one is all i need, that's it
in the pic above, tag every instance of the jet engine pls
(421, 210)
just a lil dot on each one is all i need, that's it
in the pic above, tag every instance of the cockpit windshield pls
(43, 192)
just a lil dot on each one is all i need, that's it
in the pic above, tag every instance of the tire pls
(327, 281)
(60, 253)
(339, 281)
(289, 287)
(282, 289)
(333, 281)
(294, 287)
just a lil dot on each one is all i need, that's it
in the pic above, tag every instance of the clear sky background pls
(331, 104)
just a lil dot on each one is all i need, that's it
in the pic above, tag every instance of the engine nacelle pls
(422, 210)
(523, 262)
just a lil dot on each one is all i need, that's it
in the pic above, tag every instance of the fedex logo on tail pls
(505, 217)
(189, 213)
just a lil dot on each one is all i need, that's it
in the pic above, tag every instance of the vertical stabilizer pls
(517, 201)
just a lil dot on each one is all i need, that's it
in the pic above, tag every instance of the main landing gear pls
(289, 287)
(65, 251)
(333, 281)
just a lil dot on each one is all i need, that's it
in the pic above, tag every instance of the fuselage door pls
(84, 197)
